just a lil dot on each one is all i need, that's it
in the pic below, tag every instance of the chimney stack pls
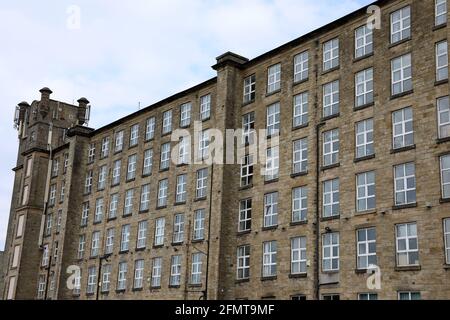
(82, 110)
(44, 105)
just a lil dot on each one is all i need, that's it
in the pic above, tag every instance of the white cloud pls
(131, 52)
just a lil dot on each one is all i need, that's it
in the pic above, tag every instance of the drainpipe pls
(205, 293)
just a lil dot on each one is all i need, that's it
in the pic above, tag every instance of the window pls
(110, 235)
(156, 272)
(409, 296)
(165, 156)
(298, 255)
(331, 54)
(113, 205)
(367, 296)
(29, 167)
(364, 87)
(363, 41)
(364, 139)
(273, 119)
(20, 225)
(181, 191)
(298, 297)
(274, 78)
(116, 172)
(178, 228)
(41, 286)
(271, 210)
(102, 173)
(447, 240)
(445, 176)
(245, 215)
(247, 170)
(105, 147)
(441, 61)
(203, 145)
(85, 214)
(301, 67)
(331, 197)
(440, 12)
(88, 182)
(95, 244)
(199, 225)
(63, 192)
(66, 163)
(52, 195)
(128, 207)
(131, 173)
(443, 107)
(15, 260)
(118, 141)
(45, 255)
(250, 89)
(243, 262)
(365, 191)
(81, 246)
(185, 114)
(167, 122)
(331, 147)
(122, 276)
(299, 204)
(92, 280)
(330, 252)
(401, 24)
(300, 156)
(125, 238)
(300, 116)
(272, 164)
(202, 183)
(196, 270)
(77, 282)
(248, 128)
(366, 248)
(138, 274)
(148, 162)
(405, 184)
(99, 205)
(401, 74)
(134, 135)
(331, 99)
(270, 259)
(25, 195)
(175, 271)
(145, 198)
(91, 153)
(58, 220)
(106, 278)
(205, 107)
(407, 245)
(48, 224)
(159, 231)
(150, 129)
(142, 235)
(162, 193)
(55, 168)
(403, 130)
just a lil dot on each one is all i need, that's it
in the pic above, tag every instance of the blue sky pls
(130, 52)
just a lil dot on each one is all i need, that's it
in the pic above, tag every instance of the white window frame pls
(331, 54)
(403, 180)
(365, 246)
(408, 238)
(443, 111)
(412, 295)
(109, 244)
(364, 87)
(85, 214)
(185, 114)
(199, 225)
(331, 147)
(442, 61)
(162, 193)
(445, 176)
(167, 122)
(273, 119)
(447, 240)
(150, 128)
(250, 88)
(128, 206)
(165, 156)
(203, 145)
(300, 156)
(272, 164)
(245, 215)
(205, 107)
(178, 228)
(131, 167)
(363, 41)
(247, 170)
(400, 132)
(401, 75)
(125, 238)
(134, 135)
(364, 138)
(81, 246)
(92, 280)
(301, 67)
(300, 110)
(119, 141)
(274, 78)
(248, 128)
(271, 209)
(243, 262)
(269, 259)
(122, 276)
(401, 27)
(196, 268)
(201, 184)
(331, 98)
(175, 271)
(299, 204)
(365, 190)
(156, 272)
(88, 182)
(331, 205)
(145, 198)
(113, 206)
(106, 278)
(148, 162)
(330, 244)
(102, 176)
(160, 225)
(117, 168)
(91, 153)
(105, 147)
(138, 282)
(141, 242)
(95, 244)
(298, 256)
(440, 12)
(181, 190)
(99, 210)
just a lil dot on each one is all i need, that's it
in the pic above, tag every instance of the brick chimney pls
(82, 107)
(44, 104)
